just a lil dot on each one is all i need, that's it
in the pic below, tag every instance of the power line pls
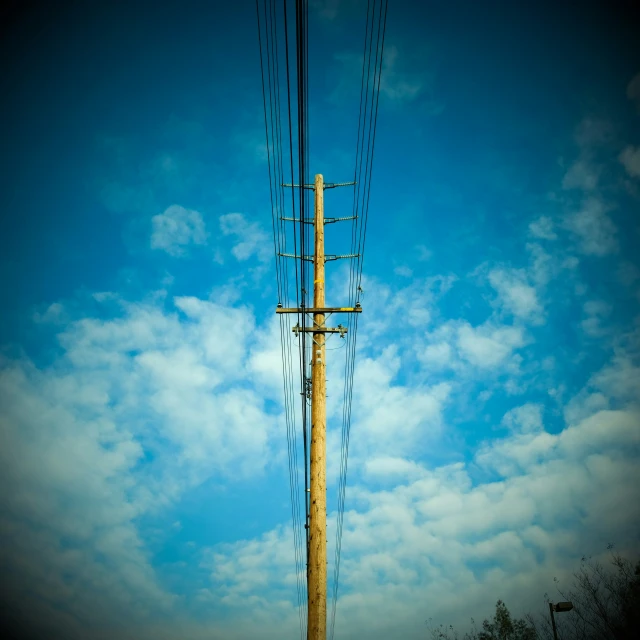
(359, 229)
(273, 134)
(365, 146)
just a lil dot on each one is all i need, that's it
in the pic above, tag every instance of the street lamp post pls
(560, 607)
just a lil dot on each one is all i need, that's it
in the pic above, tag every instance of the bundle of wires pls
(273, 25)
(376, 24)
(270, 17)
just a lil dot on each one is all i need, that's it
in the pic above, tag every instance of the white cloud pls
(393, 418)
(176, 228)
(581, 175)
(542, 228)
(593, 132)
(439, 532)
(524, 419)
(402, 79)
(570, 262)
(424, 254)
(620, 379)
(616, 383)
(630, 159)
(394, 469)
(593, 228)
(250, 239)
(488, 346)
(515, 294)
(544, 265)
(71, 511)
(153, 363)
(395, 83)
(596, 311)
(54, 313)
(136, 410)
(403, 271)
(437, 355)
(416, 302)
(239, 567)
(186, 389)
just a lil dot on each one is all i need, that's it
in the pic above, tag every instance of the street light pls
(560, 607)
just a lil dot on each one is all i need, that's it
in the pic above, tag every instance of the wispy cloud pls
(391, 417)
(396, 83)
(515, 294)
(596, 311)
(543, 228)
(137, 409)
(403, 271)
(443, 529)
(581, 175)
(488, 346)
(424, 254)
(177, 228)
(592, 133)
(593, 228)
(630, 159)
(524, 419)
(401, 82)
(248, 237)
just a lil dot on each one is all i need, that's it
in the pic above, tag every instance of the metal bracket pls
(348, 255)
(291, 255)
(326, 220)
(331, 220)
(339, 329)
(333, 185)
(297, 186)
(327, 185)
(327, 258)
(306, 220)
(356, 309)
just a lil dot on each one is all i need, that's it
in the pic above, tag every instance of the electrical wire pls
(273, 134)
(359, 228)
(301, 16)
(365, 146)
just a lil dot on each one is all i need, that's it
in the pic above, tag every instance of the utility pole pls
(317, 516)
(317, 572)
(553, 622)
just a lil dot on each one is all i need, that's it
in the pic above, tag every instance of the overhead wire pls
(273, 134)
(373, 122)
(365, 146)
(359, 228)
(287, 339)
(298, 292)
(301, 85)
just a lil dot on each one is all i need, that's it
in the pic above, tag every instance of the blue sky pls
(496, 428)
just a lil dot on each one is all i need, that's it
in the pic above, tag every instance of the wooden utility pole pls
(317, 571)
(317, 523)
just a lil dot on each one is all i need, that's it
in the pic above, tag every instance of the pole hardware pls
(315, 390)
